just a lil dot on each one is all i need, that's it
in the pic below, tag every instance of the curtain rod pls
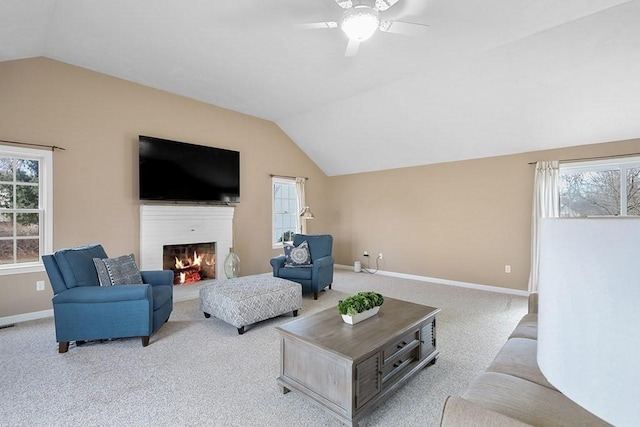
(31, 144)
(584, 159)
(286, 176)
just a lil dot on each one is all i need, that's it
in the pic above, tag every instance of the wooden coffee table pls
(350, 369)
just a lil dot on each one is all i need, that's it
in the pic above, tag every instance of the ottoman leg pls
(207, 315)
(295, 313)
(241, 330)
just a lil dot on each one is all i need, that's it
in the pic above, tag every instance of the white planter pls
(352, 320)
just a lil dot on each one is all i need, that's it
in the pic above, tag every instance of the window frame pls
(622, 164)
(45, 206)
(286, 181)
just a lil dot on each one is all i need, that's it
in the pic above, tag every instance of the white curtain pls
(546, 204)
(301, 203)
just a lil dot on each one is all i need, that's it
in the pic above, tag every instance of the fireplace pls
(190, 262)
(172, 225)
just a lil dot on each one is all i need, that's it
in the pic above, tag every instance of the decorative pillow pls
(117, 271)
(297, 256)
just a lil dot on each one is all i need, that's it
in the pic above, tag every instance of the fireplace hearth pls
(190, 262)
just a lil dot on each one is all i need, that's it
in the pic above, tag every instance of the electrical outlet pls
(507, 269)
(40, 285)
(380, 255)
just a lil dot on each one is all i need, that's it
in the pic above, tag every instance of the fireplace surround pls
(188, 225)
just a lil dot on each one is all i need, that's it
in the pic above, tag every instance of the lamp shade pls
(360, 22)
(306, 213)
(588, 316)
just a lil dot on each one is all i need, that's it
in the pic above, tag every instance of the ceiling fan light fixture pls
(360, 22)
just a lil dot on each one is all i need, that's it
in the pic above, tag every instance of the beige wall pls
(98, 119)
(461, 221)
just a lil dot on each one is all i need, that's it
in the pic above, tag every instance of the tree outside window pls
(600, 189)
(285, 210)
(22, 207)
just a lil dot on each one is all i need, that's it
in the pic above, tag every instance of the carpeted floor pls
(200, 372)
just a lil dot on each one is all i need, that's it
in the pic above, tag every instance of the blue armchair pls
(320, 274)
(83, 310)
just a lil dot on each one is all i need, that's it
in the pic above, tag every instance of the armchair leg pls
(63, 346)
(315, 295)
(145, 341)
(329, 285)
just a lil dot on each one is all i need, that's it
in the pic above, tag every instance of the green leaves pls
(360, 302)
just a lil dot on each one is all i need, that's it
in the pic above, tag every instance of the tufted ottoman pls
(246, 300)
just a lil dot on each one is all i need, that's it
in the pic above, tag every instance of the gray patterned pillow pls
(117, 271)
(297, 256)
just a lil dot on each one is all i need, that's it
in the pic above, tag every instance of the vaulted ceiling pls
(487, 78)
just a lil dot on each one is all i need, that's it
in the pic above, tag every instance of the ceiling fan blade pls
(382, 5)
(352, 48)
(345, 4)
(403, 28)
(317, 25)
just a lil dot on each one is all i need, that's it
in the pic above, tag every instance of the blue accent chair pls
(84, 311)
(320, 275)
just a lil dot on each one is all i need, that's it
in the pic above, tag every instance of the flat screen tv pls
(182, 172)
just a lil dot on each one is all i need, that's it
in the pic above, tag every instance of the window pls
(600, 188)
(285, 210)
(25, 209)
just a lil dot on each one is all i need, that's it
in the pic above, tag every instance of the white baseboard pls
(181, 293)
(10, 320)
(445, 282)
(193, 292)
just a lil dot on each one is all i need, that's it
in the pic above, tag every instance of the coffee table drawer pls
(401, 362)
(391, 351)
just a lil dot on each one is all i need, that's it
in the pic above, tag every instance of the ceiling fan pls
(361, 19)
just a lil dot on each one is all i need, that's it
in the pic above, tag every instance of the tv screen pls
(178, 171)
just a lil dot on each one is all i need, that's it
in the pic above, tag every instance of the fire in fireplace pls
(190, 262)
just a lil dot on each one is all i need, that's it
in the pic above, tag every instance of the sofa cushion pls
(527, 402)
(117, 271)
(518, 357)
(295, 274)
(459, 412)
(527, 327)
(297, 256)
(76, 265)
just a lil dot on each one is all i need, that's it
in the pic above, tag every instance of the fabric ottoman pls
(246, 300)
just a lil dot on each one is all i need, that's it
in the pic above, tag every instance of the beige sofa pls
(513, 391)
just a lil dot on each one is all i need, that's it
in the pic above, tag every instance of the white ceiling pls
(487, 78)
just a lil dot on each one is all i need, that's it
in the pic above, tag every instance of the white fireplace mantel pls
(184, 224)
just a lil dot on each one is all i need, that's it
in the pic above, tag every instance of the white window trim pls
(288, 181)
(600, 164)
(45, 159)
(619, 163)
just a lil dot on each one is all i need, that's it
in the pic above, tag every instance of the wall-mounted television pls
(183, 172)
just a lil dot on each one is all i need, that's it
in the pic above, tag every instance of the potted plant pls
(360, 306)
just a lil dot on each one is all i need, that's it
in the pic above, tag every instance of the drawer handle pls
(400, 363)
